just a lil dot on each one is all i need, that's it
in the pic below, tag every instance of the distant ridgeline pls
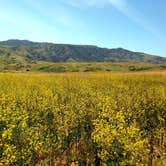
(24, 51)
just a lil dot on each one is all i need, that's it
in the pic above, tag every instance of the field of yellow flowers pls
(82, 119)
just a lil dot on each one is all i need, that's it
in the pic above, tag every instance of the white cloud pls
(122, 6)
(135, 16)
(57, 14)
(85, 3)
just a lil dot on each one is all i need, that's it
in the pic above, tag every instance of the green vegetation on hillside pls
(30, 52)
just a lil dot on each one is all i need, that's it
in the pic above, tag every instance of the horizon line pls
(74, 44)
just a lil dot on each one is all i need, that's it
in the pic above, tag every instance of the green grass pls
(79, 67)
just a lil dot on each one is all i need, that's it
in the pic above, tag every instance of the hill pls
(18, 54)
(65, 52)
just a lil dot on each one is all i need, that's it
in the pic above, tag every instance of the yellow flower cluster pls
(89, 119)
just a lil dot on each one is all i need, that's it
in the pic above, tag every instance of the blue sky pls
(138, 25)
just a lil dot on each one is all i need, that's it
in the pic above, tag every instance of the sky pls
(137, 25)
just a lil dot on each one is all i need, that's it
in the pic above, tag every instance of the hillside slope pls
(23, 51)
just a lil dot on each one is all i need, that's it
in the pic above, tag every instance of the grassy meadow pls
(83, 119)
(50, 67)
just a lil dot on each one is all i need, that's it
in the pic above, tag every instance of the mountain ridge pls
(26, 50)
